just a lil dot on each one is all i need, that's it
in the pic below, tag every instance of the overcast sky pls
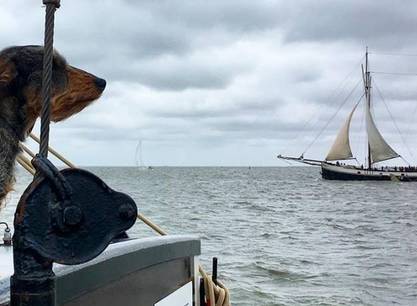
(225, 82)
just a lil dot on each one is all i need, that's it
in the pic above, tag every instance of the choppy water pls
(284, 236)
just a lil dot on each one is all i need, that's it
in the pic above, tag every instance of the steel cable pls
(395, 123)
(51, 6)
(332, 117)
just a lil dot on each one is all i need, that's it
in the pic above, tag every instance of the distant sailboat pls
(139, 158)
(378, 150)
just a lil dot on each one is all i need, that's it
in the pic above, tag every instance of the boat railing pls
(380, 169)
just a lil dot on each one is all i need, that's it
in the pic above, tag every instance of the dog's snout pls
(100, 83)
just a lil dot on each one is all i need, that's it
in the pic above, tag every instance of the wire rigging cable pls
(395, 73)
(333, 116)
(333, 95)
(51, 7)
(395, 123)
(393, 54)
(413, 113)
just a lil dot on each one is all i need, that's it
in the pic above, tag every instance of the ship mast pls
(367, 83)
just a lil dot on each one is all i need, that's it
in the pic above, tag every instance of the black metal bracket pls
(68, 217)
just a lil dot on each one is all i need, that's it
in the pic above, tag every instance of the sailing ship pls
(139, 159)
(378, 150)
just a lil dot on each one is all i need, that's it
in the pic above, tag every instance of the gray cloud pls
(379, 23)
(199, 81)
(240, 16)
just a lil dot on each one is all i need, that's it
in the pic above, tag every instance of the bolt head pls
(126, 212)
(72, 215)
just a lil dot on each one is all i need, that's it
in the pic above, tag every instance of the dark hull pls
(336, 175)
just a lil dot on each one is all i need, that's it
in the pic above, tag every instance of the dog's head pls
(21, 78)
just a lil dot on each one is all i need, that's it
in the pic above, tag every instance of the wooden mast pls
(368, 100)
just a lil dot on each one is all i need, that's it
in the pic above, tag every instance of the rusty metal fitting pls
(57, 3)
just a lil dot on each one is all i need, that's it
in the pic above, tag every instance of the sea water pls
(283, 236)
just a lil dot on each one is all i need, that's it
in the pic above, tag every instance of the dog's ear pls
(7, 72)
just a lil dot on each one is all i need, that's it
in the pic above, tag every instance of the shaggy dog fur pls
(20, 99)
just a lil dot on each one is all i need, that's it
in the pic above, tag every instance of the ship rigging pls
(378, 149)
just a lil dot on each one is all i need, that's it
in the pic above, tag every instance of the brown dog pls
(20, 99)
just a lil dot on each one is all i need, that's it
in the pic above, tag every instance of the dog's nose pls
(100, 83)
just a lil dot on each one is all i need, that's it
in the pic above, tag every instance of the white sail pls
(380, 150)
(341, 146)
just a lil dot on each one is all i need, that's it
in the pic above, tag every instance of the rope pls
(25, 163)
(152, 225)
(394, 73)
(408, 132)
(395, 123)
(331, 118)
(54, 153)
(392, 54)
(27, 150)
(51, 6)
(216, 293)
(337, 91)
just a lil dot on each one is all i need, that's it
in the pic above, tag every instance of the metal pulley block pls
(70, 216)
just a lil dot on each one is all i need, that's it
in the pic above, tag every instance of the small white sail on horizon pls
(340, 149)
(380, 150)
(138, 156)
